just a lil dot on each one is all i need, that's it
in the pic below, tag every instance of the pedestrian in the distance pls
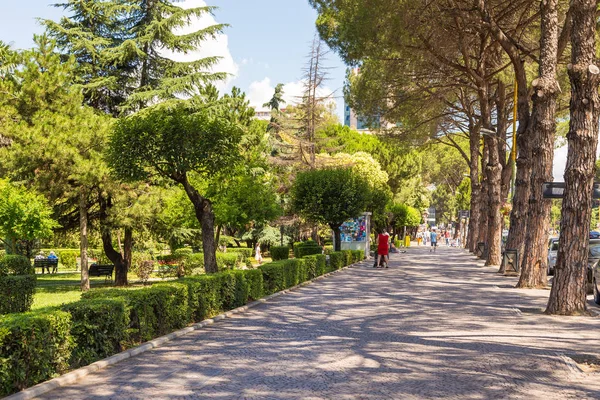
(447, 236)
(257, 254)
(433, 236)
(383, 248)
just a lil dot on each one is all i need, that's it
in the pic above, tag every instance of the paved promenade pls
(433, 326)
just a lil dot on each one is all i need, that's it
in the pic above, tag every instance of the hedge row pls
(37, 346)
(17, 284)
(310, 247)
(280, 253)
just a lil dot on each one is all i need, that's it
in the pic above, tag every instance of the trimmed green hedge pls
(280, 253)
(337, 260)
(154, 310)
(303, 249)
(15, 265)
(316, 265)
(68, 258)
(16, 293)
(98, 329)
(34, 347)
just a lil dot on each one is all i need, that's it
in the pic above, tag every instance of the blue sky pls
(267, 42)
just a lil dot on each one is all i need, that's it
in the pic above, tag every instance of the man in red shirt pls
(383, 248)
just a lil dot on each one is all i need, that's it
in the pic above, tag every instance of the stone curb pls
(74, 376)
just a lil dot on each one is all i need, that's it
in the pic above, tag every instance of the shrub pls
(16, 293)
(328, 250)
(144, 270)
(283, 274)
(357, 255)
(280, 253)
(226, 261)
(35, 347)
(336, 260)
(154, 310)
(226, 241)
(181, 253)
(204, 296)
(255, 284)
(302, 249)
(246, 252)
(315, 265)
(15, 265)
(348, 257)
(98, 328)
(68, 258)
(193, 264)
(234, 289)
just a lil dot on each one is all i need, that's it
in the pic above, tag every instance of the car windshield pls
(554, 246)
(594, 250)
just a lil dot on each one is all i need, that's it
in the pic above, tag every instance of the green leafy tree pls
(330, 196)
(174, 141)
(126, 50)
(25, 218)
(404, 216)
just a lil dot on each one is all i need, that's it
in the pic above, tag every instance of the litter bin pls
(407, 241)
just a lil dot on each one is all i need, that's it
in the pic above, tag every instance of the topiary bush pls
(193, 264)
(227, 261)
(98, 329)
(11, 264)
(310, 247)
(280, 253)
(68, 258)
(348, 257)
(16, 293)
(357, 255)
(315, 265)
(254, 277)
(182, 252)
(283, 274)
(336, 260)
(154, 311)
(35, 347)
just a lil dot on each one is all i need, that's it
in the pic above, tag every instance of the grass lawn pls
(56, 289)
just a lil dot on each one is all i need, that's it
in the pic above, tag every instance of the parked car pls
(593, 272)
(552, 253)
(594, 235)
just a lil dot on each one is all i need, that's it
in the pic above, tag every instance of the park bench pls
(105, 270)
(46, 263)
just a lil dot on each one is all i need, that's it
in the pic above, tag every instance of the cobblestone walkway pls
(432, 326)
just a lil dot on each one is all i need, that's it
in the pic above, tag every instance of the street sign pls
(556, 190)
(464, 214)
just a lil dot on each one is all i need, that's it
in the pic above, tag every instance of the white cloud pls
(261, 92)
(218, 47)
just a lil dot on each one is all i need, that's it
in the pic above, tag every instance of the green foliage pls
(24, 217)
(330, 196)
(309, 247)
(68, 258)
(316, 265)
(35, 347)
(176, 137)
(155, 310)
(337, 260)
(15, 265)
(193, 264)
(403, 215)
(357, 255)
(227, 261)
(183, 252)
(16, 292)
(98, 329)
(280, 252)
(254, 277)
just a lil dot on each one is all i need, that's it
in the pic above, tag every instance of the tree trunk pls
(484, 196)
(493, 171)
(218, 234)
(337, 233)
(520, 202)
(534, 262)
(473, 232)
(206, 217)
(113, 255)
(568, 294)
(83, 244)
(121, 274)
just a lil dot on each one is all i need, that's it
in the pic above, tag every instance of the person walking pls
(433, 236)
(447, 236)
(383, 248)
(257, 254)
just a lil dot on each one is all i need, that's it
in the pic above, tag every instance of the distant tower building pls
(352, 120)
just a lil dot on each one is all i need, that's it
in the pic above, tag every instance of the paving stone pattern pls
(432, 326)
